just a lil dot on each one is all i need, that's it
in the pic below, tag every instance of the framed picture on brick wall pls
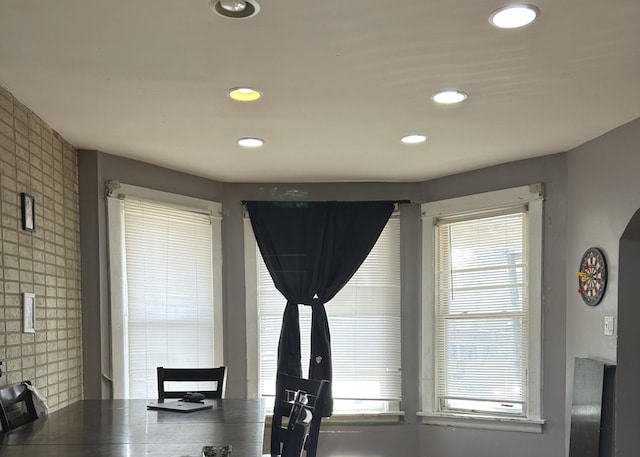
(28, 212)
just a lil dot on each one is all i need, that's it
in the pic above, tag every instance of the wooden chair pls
(216, 375)
(298, 433)
(292, 437)
(16, 407)
(286, 388)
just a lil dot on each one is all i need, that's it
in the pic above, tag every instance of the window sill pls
(388, 418)
(364, 418)
(483, 422)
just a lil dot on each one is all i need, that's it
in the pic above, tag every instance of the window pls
(364, 320)
(164, 266)
(482, 293)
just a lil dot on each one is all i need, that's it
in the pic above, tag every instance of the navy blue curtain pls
(312, 249)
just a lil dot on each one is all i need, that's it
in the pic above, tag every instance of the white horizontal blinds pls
(364, 321)
(481, 312)
(170, 293)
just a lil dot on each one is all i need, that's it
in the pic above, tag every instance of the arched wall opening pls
(628, 346)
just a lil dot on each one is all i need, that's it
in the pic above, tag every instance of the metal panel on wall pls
(592, 409)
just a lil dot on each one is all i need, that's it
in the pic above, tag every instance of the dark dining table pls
(126, 428)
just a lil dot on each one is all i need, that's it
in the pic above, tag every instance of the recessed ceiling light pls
(233, 6)
(514, 16)
(449, 97)
(244, 94)
(414, 138)
(249, 142)
(235, 9)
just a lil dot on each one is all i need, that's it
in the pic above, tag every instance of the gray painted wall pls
(95, 168)
(95, 355)
(410, 438)
(603, 195)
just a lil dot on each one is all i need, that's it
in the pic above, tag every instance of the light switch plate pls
(608, 325)
(28, 313)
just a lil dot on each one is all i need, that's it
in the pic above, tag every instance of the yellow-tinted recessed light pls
(414, 138)
(249, 142)
(244, 94)
(449, 97)
(514, 16)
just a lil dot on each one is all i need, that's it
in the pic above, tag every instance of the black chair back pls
(286, 388)
(16, 407)
(298, 431)
(216, 375)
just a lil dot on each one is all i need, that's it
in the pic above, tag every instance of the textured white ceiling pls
(342, 82)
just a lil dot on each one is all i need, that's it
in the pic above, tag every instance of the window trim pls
(116, 192)
(251, 309)
(531, 195)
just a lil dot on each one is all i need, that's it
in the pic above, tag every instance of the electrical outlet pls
(608, 325)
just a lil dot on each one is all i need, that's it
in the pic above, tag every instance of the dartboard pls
(592, 276)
